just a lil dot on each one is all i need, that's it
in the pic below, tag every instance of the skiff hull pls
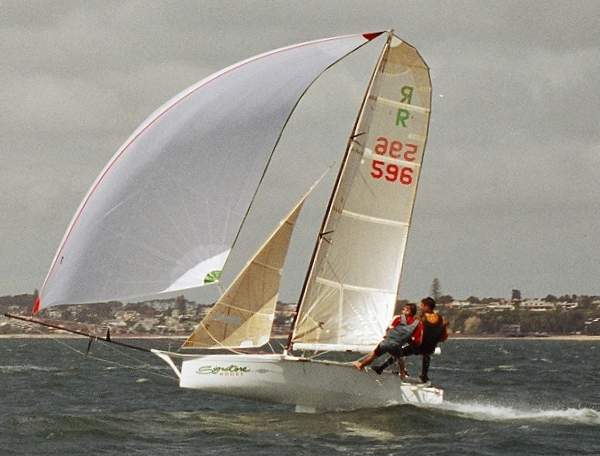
(310, 385)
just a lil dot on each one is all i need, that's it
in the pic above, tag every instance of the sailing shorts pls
(397, 350)
(388, 346)
(408, 350)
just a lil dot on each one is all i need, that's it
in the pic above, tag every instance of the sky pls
(508, 196)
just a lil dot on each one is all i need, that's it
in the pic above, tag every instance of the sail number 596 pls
(390, 171)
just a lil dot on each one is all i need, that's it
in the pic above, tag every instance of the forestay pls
(351, 289)
(164, 213)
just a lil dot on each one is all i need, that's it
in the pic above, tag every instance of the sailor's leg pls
(425, 367)
(402, 367)
(406, 350)
(382, 363)
(383, 347)
(365, 361)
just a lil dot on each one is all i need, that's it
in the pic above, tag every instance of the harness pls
(403, 331)
(432, 333)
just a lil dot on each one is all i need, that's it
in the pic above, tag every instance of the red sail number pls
(391, 172)
(395, 149)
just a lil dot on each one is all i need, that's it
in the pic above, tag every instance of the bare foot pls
(358, 365)
(403, 374)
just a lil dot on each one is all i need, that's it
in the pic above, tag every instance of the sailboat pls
(166, 211)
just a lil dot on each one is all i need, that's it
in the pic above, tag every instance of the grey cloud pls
(508, 192)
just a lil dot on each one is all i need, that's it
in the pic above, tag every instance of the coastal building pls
(145, 325)
(537, 305)
(592, 326)
(510, 330)
(460, 305)
(567, 305)
(500, 306)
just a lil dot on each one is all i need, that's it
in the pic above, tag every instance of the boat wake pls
(494, 412)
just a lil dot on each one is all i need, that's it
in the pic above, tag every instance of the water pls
(503, 397)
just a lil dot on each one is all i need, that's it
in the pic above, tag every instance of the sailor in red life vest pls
(398, 334)
(431, 330)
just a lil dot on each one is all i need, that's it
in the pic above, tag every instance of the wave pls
(453, 369)
(369, 432)
(18, 368)
(493, 412)
(543, 360)
(501, 367)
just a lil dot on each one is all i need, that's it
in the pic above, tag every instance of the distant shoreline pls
(75, 336)
(582, 337)
(579, 337)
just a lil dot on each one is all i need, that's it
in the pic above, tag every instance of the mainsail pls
(350, 291)
(163, 214)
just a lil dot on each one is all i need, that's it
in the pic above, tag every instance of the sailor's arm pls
(444, 335)
(395, 322)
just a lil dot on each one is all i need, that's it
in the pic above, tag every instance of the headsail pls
(164, 212)
(243, 315)
(351, 288)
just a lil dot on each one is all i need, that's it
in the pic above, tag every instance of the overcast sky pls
(510, 191)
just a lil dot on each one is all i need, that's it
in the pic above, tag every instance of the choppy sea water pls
(503, 397)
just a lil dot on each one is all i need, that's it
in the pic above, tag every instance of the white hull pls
(310, 385)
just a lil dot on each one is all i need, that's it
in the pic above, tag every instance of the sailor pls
(431, 330)
(398, 334)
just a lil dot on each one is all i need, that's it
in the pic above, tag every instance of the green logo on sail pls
(212, 276)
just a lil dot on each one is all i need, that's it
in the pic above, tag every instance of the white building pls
(500, 306)
(459, 305)
(567, 305)
(537, 305)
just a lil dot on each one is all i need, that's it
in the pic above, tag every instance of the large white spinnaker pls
(163, 214)
(351, 288)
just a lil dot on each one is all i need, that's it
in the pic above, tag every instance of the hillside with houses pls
(159, 317)
(551, 315)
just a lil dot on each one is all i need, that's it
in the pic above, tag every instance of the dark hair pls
(428, 301)
(412, 307)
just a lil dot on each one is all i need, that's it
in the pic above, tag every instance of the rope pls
(142, 364)
(218, 342)
(114, 363)
(107, 361)
(315, 356)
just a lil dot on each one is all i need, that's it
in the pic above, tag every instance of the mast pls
(349, 148)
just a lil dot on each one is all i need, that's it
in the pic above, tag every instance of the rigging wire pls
(107, 361)
(142, 365)
(115, 363)
(218, 342)
(316, 355)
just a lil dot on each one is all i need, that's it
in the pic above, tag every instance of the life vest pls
(401, 333)
(434, 331)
